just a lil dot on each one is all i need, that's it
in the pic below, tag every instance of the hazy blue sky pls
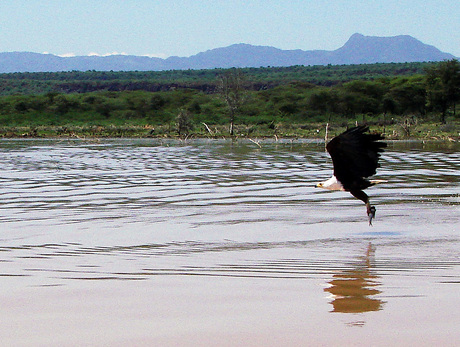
(186, 27)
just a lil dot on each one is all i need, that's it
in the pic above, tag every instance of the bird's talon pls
(371, 214)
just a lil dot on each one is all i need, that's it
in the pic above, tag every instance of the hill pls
(359, 49)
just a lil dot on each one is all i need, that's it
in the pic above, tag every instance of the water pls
(210, 242)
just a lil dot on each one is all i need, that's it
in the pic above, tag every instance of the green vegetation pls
(407, 100)
(204, 80)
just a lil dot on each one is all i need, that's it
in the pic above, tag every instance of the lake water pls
(221, 243)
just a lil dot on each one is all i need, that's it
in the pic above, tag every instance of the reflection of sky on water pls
(226, 217)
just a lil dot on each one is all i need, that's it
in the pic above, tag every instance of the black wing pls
(355, 156)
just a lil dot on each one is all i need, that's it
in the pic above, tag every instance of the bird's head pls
(330, 184)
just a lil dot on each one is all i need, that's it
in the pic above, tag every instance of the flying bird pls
(355, 155)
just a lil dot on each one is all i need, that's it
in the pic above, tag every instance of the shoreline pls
(314, 131)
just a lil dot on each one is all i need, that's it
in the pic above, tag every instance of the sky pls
(164, 28)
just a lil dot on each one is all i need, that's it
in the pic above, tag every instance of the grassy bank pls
(317, 130)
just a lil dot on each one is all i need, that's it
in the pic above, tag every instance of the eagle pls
(355, 156)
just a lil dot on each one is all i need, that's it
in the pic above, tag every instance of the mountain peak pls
(394, 49)
(356, 36)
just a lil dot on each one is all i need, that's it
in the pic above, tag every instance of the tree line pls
(204, 80)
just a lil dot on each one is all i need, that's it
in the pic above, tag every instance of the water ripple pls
(65, 206)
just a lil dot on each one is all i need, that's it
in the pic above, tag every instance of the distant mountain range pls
(359, 49)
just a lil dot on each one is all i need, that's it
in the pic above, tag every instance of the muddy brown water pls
(214, 242)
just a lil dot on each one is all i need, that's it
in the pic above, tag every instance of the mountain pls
(359, 49)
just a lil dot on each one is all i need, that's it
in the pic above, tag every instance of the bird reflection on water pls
(352, 290)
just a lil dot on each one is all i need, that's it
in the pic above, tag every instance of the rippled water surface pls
(209, 242)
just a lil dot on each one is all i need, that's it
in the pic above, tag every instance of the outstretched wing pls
(355, 156)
